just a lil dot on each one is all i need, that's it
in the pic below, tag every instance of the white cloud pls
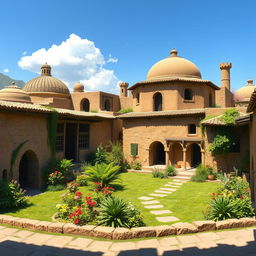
(112, 59)
(75, 59)
(6, 70)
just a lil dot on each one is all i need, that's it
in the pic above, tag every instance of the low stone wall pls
(124, 233)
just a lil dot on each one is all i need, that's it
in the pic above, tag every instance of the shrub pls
(106, 174)
(115, 212)
(11, 195)
(65, 167)
(136, 165)
(81, 180)
(100, 155)
(56, 178)
(170, 170)
(91, 157)
(115, 155)
(200, 174)
(55, 187)
(125, 110)
(157, 173)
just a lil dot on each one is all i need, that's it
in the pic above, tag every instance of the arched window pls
(4, 175)
(210, 100)
(188, 94)
(107, 105)
(158, 102)
(191, 129)
(138, 98)
(85, 105)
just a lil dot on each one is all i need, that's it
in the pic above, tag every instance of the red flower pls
(76, 221)
(79, 211)
(72, 215)
(78, 194)
(88, 198)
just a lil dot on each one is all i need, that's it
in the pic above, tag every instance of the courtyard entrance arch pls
(156, 153)
(29, 170)
(176, 155)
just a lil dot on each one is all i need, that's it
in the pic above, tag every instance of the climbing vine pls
(15, 153)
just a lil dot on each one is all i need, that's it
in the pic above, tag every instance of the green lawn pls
(187, 203)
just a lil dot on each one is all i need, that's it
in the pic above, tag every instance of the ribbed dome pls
(14, 93)
(174, 66)
(46, 83)
(244, 93)
(78, 87)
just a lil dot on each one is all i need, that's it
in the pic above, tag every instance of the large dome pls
(174, 66)
(244, 93)
(14, 93)
(46, 83)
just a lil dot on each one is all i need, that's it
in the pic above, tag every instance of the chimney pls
(123, 89)
(225, 74)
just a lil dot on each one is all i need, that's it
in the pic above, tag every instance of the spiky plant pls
(106, 174)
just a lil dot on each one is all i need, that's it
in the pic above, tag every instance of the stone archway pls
(194, 156)
(29, 170)
(176, 154)
(156, 153)
(85, 105)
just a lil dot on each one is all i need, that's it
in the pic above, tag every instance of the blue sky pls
(136, 33)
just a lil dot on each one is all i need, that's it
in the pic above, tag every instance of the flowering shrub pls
(55, 178)
(232, 200)
(81, 180)
(11, 195)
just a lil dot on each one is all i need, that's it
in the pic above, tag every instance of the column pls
(184, 158)
(167, 157)
(203, 156)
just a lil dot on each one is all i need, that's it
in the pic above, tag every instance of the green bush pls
(115, 155)
(116, 212)
(157, 173)
(201, 174)
(11, 195)
(56, 187)
(136, 165)
(170, 170)
(106, 174)
(56, 178)
(100, 155)
(125, 110)
(81, 180)
(65, 167)
(91, 157)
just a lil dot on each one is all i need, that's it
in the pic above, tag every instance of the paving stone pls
(189, 239)
(156, 206)
(100, 245)
(145, 198)
(160, 212)
(169, 241)
(180, 181)
(8, 231)
(162, 191)
(23, 234)
(151, 202)
(123, 246)
(37, 239)
(158, 195)
(59, 241)
(175, 183)
(169, 189)
(172, 185)
(151, 243)
(209, 236)
(80, 242)
(167, 219)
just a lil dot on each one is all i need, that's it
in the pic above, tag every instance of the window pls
(188, 94)
(157, 101)
(138, 98)
(191, 129)
(83, 141)
(134, 149)
(85, 105)
(59, 146)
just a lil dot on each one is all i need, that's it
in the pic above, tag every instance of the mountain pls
(6, 80)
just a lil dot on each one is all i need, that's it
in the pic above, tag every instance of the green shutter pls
(134, 149)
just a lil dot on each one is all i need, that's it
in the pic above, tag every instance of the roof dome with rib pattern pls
(46, 83)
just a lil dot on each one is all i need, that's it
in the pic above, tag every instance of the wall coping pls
(124, 233)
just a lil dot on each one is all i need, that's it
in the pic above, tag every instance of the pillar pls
(203, 156)
(225, 74)
(123, 89)
(184, 158)
(167, 157)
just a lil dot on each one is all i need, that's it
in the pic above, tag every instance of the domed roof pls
(244, 93)
(174, 66)
(78, 87)
(46, 83)
(14, 93)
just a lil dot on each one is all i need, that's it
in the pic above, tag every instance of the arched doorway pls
(107, 105)
(157, 153)
(29, 170)
(158, 102)
(85, 106)
(176, 155)
(195, 155)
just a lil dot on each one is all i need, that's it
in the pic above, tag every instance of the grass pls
(187, 203)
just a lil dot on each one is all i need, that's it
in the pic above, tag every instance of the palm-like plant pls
(114, 212)
(106, 174)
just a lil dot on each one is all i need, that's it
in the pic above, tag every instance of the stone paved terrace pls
(16, 242)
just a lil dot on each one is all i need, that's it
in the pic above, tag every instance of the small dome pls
(174, 66)
(78, 87)
(46, 83)
(244, 93)
(14, 93)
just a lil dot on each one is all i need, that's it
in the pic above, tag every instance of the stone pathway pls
(168, 188)
(15, 242)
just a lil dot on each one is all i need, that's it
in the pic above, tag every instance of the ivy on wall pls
(15, 153)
